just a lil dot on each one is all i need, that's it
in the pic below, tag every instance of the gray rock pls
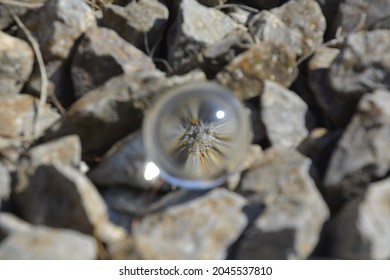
(123, 250)
(16, 63)
(362, 229)
(43, 243)
(363, 64)
(217, 55)
(59, 196)
(56, 26)
(124, 165)
(114, 109)
(306, 17)
(10, 224)
(294, 211)
(17, 114)
(246, 73)
(101, 55)
(283, 114)
(65, 150)
(318, 146)
(6, 19)
(138, 21)
(239, 14)
(202, 228)
(190, 34)
(361, 154)
(337, 109)
(364, 14)
(5, 184)
(211, 3)
(267, 26)
(262, 4)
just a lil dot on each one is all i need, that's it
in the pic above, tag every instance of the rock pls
(102, 48)
(6, 19)
(43, 243)
(217, 55)
(318, 146)
(123, 250)
(362, 229)
(56, 26)
(202, 228)
(266, 26)
(246, 73)
(11, 224)
(189, 34)
(5, 184)
(363, 14)
(294, 211)
(16, 62)
(211, 3)
(284, 115)
(127, 205)
(17, 116)
(114, 109)
(65, 150)
(361, 154)
(306, 17)
(337, 109)
(240, 15)
(59, 196)
(124, 165)
(252, 158)
(138, 21)
(363, 64)
(262, 4)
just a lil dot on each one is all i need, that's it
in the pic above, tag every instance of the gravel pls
(313, 76)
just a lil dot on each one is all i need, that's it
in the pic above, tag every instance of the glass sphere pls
(197, 135)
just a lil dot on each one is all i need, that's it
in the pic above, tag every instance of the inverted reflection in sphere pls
(196, 135)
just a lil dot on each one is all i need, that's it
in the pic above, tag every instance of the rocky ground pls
(77, 77)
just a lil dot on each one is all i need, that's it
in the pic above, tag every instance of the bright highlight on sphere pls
(220, 114)
(151, 171)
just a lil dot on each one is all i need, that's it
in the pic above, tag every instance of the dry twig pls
(22, 4)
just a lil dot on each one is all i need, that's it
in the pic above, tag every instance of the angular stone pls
(5, 184)
(216, 56)
(266, 26)
(202, 228)
(123, 250)
(318, 146)
(363, 64)
(362, 229)
(262, 4)
(59, 196)
(43, 243)
(16, 63)
(124, 165)
(56, 26)
(284, 115)
(190, 34)
(101, 55)
(306, 17)
(364, 14)
(337, 109)
(362, 154)
(10, 224)
(17, 116)
(114, 109)
(294, 211)
(65, 150)
(246, 73)
(6, 18)
(138, 21)
(211, 3)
